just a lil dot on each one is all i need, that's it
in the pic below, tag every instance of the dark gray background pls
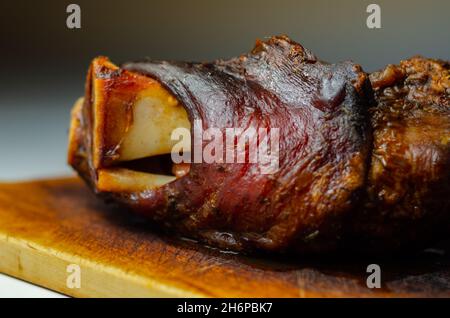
(44, 63)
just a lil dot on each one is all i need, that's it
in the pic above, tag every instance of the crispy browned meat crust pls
(336, 187)
(409, 180)
(321, 110)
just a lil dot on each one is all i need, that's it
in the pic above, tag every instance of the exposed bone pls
(125, 180)
(155, 115)
(133, 115)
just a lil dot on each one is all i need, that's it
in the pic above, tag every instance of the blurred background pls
(44, 63)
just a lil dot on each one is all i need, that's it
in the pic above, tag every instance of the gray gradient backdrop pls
(44, 63)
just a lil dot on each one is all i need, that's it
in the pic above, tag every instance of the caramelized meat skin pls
(409, 179)
(321, 111)
(363, 164)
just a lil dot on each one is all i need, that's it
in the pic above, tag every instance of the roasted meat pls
(408, 186)
(346, 160)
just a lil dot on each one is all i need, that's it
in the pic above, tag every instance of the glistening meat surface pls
(317, 200)
(408, 187)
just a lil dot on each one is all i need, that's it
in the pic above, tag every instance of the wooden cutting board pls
(47, 225)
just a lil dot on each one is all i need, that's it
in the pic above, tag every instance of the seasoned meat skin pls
(364, 163)
(408, 190)
(325, 142)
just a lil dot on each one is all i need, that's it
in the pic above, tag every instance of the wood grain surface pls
(49, 224)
